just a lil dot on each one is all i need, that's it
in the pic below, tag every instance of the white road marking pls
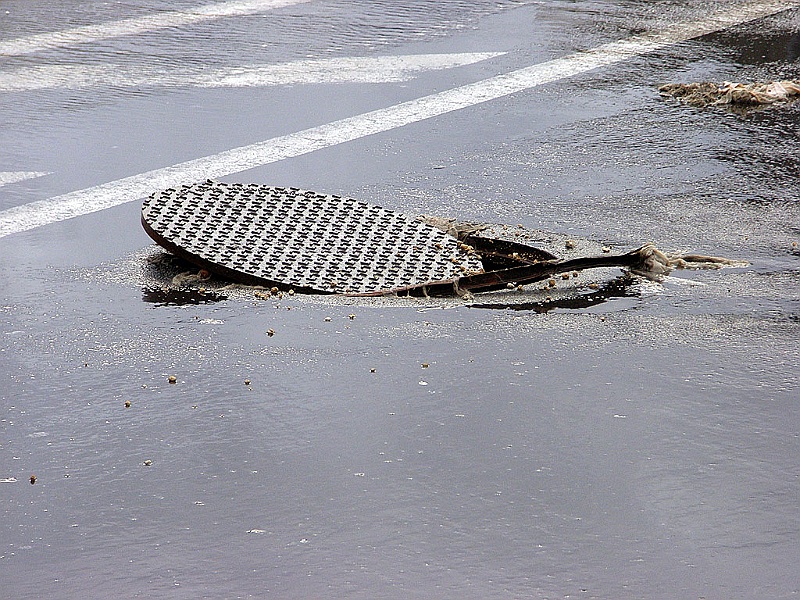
(375, 69)
(7, 177)
(107, 195)
(135, 25)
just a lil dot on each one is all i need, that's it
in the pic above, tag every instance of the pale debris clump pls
(733, 94)
(655, 262)
(188, 278)
(457, 229)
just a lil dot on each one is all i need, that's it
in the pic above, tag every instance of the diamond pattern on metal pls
(302, 239)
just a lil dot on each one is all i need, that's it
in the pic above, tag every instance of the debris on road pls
(733, 95)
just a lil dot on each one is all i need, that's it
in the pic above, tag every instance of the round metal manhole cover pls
(290, 237)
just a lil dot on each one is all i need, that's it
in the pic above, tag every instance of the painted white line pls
(107, 195)
(7, 177)
(378, 69)
(102, 31)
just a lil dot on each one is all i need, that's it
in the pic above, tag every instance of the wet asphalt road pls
(640, 444)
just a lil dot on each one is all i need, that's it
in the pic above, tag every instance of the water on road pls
(614, 437)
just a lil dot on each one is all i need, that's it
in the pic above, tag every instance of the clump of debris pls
(735, 96)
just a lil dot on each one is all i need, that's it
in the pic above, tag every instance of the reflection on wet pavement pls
(621, 287)
(173, 297)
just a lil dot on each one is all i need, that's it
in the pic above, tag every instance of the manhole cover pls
(312, 242)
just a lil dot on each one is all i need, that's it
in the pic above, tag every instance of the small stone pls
(172, 379)
(570, 244)
(247, 382)
(270, 332)
(565, 276)
(351, 316)
(148, 462)
(127, 403)
(372, 370)
(551, 283)
(594, 286)
(606, 249)
(33, 479)
(327, 319)
(425, 365)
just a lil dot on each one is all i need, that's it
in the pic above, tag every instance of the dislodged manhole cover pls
(321, 243)
(301, 239)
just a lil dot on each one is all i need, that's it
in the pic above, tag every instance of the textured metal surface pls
(302, 239)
